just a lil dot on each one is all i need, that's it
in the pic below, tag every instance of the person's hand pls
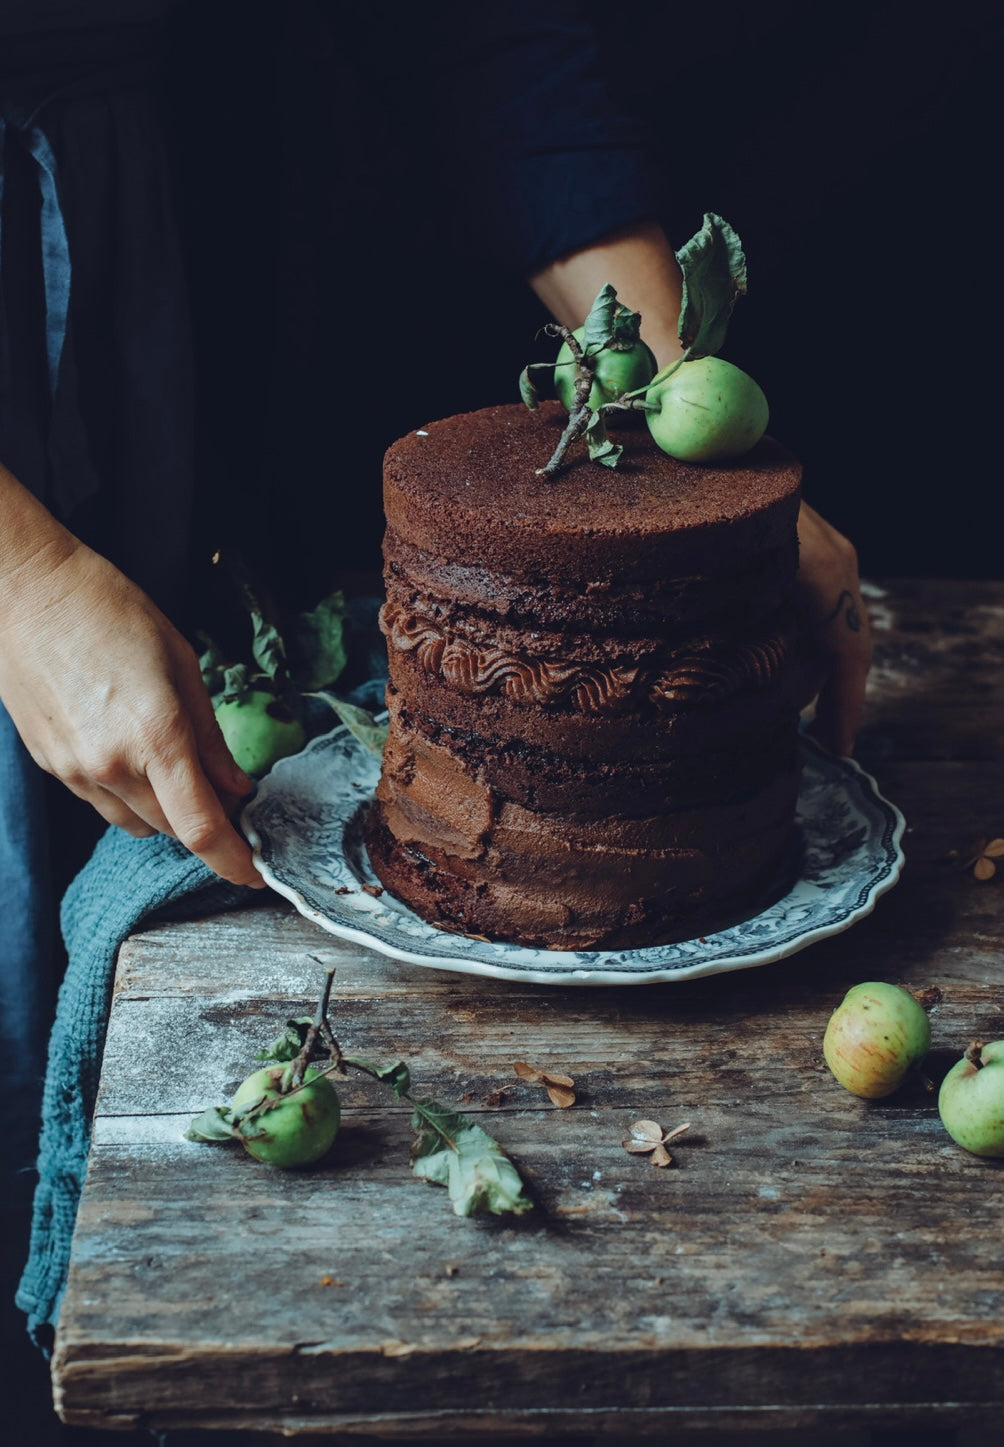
(108, 697)
(829, 595)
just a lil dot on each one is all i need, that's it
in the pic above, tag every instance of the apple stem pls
(627, 403)
(974, 1054)
(927, 999)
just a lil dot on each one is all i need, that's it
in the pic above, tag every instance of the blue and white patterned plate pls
(305, 826)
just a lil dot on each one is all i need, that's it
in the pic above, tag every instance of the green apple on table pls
(292, 1128)
(971, 1099)
(876, 1033)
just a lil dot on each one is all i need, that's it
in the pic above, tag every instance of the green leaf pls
(213, 1125)
(236, 683)
(250, 1125)
(714, 277)
(610, 456)
(396, 1076)
(601, 449)
(212, 666)
(290, 1042)
(626, 328)
(451, 1151)
(267, 647)
(599, 324)
(359, 721)
(317, 644)
(527, 390)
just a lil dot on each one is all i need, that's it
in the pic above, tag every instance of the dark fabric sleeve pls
(550, 162)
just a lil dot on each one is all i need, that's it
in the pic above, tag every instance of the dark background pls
(851, 147)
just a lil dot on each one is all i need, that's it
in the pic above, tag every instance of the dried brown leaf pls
(647, 1130)
(559, 1088)
(995, 849)
(984, 868)
(648, 1138)
(677, 1130)
(528, 1072)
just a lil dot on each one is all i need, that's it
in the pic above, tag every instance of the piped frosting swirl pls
(702, 672)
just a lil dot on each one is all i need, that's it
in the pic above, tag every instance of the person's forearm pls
(641, 266)
(32, 541)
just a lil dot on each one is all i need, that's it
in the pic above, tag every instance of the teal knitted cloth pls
(125, 880)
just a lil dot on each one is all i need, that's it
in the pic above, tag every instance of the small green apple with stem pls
(971, 1099)
(285, 1125)
(617, 368)
(259, 730)
(705, 410)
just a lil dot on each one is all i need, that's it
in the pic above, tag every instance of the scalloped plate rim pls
(592, 975)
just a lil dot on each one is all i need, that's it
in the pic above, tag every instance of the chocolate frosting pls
(703, 672)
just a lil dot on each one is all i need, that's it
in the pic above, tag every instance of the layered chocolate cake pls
(593, 724)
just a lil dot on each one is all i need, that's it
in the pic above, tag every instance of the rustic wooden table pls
(810, 1260)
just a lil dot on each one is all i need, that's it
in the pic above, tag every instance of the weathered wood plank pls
(937, 685)
(847, 1426)
(695, 1042)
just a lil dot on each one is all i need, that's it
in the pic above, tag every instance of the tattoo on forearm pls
(851, 616)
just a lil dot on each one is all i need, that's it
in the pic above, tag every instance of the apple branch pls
(318, 1029)
(580, 411)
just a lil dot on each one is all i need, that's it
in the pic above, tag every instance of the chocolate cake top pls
(467, 488)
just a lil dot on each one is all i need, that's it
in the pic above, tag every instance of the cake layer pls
(585, 789)
(698, 891)
(432, 801)
(750, 588)
(467, 488)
